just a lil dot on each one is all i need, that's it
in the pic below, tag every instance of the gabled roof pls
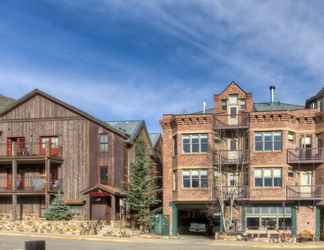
(155, 138)
(276, 106)
(131, 128)
(5, 102)
(318, 95)
(105, 188)
(238, 86)
(85, 115)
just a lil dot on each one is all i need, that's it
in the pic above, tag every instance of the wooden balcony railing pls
(232, 157)
(305, 192)
(5, 184)
(225, 121)
(305, 155)
(232, 192)
(31, 184)
(27, 149)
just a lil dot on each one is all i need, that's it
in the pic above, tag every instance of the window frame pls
(263, 142)
(190, 144)
(103, 143)
(274, 178)
(200, 176)
(100, 176)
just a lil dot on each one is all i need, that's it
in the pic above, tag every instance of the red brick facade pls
(292, 158)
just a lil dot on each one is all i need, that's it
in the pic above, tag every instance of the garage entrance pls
(195, 221)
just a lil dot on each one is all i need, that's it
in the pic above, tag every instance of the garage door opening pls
(197, 222)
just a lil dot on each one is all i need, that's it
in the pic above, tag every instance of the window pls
(268, 217)
(174, 181)
(103, 139)
(242, 104)
(268, 177)
(232, 99)
(224, 105)
(268, 141)
(291, 136)
(195, 178)
(104, 175)
(195, 143)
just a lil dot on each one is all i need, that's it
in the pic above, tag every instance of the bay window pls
(268, 177)
(195, 178)
(268, 141)
(268, 217)
(195, 143)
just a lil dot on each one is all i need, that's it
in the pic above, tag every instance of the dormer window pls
(232, 99)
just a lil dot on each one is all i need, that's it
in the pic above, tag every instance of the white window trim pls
(273, 133)
(200, 137)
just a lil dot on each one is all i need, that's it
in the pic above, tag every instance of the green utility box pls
(160, 224)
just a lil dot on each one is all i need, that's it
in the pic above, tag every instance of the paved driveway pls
(17, 243)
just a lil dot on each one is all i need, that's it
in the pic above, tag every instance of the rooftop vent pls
(272, 93)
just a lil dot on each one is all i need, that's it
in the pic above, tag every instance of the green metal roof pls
(276, 106)
(129, 127)
(5, 102)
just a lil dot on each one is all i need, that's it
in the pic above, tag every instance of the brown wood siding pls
(77, 136)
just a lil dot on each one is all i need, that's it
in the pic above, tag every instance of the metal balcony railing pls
(305, 155)
(232, 157)
(226, 121)
(232, 192)
(304, 192)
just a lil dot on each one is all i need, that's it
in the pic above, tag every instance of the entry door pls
(100, 209)
(306, 183)
(232, 149)
(232, 110)
(232, 182)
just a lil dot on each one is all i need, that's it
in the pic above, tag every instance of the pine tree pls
(58, 210)
(142, 187)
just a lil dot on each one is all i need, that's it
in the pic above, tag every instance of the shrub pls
(58, 211)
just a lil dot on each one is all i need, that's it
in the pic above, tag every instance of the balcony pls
(305, 155)
(33, 184)
(29, 151)
(232, 192)
(225, 121)
(304, 192)
(233, 157)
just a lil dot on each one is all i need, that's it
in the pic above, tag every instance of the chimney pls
(272, 93)
(204, 107)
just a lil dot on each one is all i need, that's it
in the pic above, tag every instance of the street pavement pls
(187, 243)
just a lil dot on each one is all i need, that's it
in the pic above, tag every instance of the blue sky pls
(139, 59)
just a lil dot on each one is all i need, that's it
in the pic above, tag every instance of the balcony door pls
(52, 142)
(232, 148)
(306, 147)
(20, 145)
(232, 110)
(306, 183)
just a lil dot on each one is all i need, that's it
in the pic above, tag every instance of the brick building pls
(262, 161)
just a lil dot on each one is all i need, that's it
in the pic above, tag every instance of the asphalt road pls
(17, 243)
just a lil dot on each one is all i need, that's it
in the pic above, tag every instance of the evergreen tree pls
(142, 187)
(58, 210)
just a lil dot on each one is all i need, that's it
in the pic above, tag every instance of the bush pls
(305, 235)
(58, 211)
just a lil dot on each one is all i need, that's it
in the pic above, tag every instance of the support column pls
(294, 222)
(243, 225)
(174, 220)
(317, 223)
(14, 207)
(14, 181)
(113, 207)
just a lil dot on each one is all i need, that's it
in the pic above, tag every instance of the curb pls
(271, 245)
